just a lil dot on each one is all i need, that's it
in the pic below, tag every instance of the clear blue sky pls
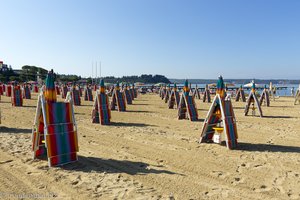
(178, 39)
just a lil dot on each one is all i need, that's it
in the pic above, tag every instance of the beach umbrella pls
(251, 84)
(50, 93)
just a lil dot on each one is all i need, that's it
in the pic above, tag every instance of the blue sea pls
(279, 92)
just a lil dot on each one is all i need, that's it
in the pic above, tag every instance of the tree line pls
(30, 73)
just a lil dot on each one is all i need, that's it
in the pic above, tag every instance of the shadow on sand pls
(27, 106)
(139, 111)
(276, 117)
(267, 148)
(93, 164)
(140, 104)
(4, 129)
(128, 124)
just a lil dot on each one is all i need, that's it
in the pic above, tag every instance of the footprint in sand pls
(223, 192)
(262, 188)
(237, 180)
(220, 174)
(92, 142)
(291, 195)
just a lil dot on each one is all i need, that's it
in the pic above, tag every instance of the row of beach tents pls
(55, 130)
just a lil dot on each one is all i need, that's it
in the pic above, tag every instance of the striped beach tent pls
(206, 95)
(253, 103)
(74, 95)
(126, 92)
(35, 88)
(54, 134)
(264, 97)
(79, 89)
(163, 92)
(174, 98)
(220, 119)
(131, 90)
(95, 87)
(167, 94)
(135, 93)
(26, 92)
(110, 90)
(64, 91)
(1, 89)
(87, 93)
(57, 89)
(8, 89)
(16, 96)
(187, 107)
(196, 93)
(101, 112)
(118, 99)
(240, 94)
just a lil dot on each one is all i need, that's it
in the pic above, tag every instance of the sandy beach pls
(147, 153)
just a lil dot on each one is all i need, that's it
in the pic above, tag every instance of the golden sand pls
(146, 153)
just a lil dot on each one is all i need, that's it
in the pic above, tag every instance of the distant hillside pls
(237, 81)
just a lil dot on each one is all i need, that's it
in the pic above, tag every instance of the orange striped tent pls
(54, 134)
(187, 107)
(220, 119)
(101, 112)
(118, 100)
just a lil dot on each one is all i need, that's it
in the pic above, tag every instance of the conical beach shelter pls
(196, 93)
(240, 94)
(74, 94)
(163, 91)
(220, 119)
(54, 134)
(64, 91)
(187, 108)
(253, 103)
(135, 93)
(111, 90)
(206, 94)
(35, 88)
(118, 100)
(131, 90)
(167, 94)
(57, 88)
(174, 98)
(1, 89)
(16, 96)
(297, 96)
(127, 94)
(8, 89)
(264, 97)
(87, 93)
(26, 92)
(101, 112)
